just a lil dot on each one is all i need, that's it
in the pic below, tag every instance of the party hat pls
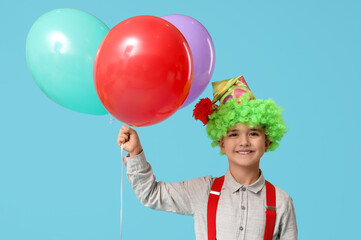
(223, 90)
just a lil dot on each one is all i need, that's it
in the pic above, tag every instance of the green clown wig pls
(238, 105)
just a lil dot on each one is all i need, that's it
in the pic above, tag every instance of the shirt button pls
(241, 228)
(243, 207)
(243, 189)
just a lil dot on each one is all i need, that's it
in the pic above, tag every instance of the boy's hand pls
(130, 140)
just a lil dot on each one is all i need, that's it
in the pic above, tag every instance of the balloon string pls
(121, 194)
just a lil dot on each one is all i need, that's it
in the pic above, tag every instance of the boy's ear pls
(221, 145)
(268, 143)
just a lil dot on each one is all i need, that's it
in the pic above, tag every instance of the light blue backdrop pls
(60, 170)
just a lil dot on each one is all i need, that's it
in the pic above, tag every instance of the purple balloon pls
(202, 48)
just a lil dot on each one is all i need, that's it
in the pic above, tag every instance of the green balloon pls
(60, 51)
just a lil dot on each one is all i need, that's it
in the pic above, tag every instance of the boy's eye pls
(232, 134)
(254, 134)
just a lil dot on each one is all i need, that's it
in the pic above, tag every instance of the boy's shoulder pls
(282, 193)
(282, 197)
(200, 182)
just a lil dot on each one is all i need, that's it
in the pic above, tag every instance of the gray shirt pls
(241, 209)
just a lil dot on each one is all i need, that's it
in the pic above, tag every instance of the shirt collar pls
(235, 186)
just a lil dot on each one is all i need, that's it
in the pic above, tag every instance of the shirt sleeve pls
(179, 197)
(288, 225)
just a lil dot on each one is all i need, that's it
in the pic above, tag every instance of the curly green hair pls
(256, 112)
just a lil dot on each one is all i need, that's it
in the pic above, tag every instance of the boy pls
(240, 205)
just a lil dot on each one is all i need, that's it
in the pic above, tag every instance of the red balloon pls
(143, 70)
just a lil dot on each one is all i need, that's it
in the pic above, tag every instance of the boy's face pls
(244, 146)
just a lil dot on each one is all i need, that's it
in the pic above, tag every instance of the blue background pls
(60, 170)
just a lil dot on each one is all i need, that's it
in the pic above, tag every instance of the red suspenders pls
(213, 203)
(212, 207)
(271, 211)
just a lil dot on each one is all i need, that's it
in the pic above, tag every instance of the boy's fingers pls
(125, 135)
(122, 130)
(123, 138)
(120, 143)
(132, 131)
(126, 128)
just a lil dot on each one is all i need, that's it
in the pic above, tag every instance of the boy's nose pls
(244, 141)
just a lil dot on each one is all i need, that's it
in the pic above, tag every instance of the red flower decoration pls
(203, 109)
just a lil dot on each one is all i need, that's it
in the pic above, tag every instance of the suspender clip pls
(271, 208)
(215, 193)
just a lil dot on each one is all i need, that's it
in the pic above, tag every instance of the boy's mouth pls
(244, 152)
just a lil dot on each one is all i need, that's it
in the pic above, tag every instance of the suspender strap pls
(212, 207)
(270, 212)
(213, 204)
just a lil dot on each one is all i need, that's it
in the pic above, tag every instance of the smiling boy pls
(241, 204)
(244, 147)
